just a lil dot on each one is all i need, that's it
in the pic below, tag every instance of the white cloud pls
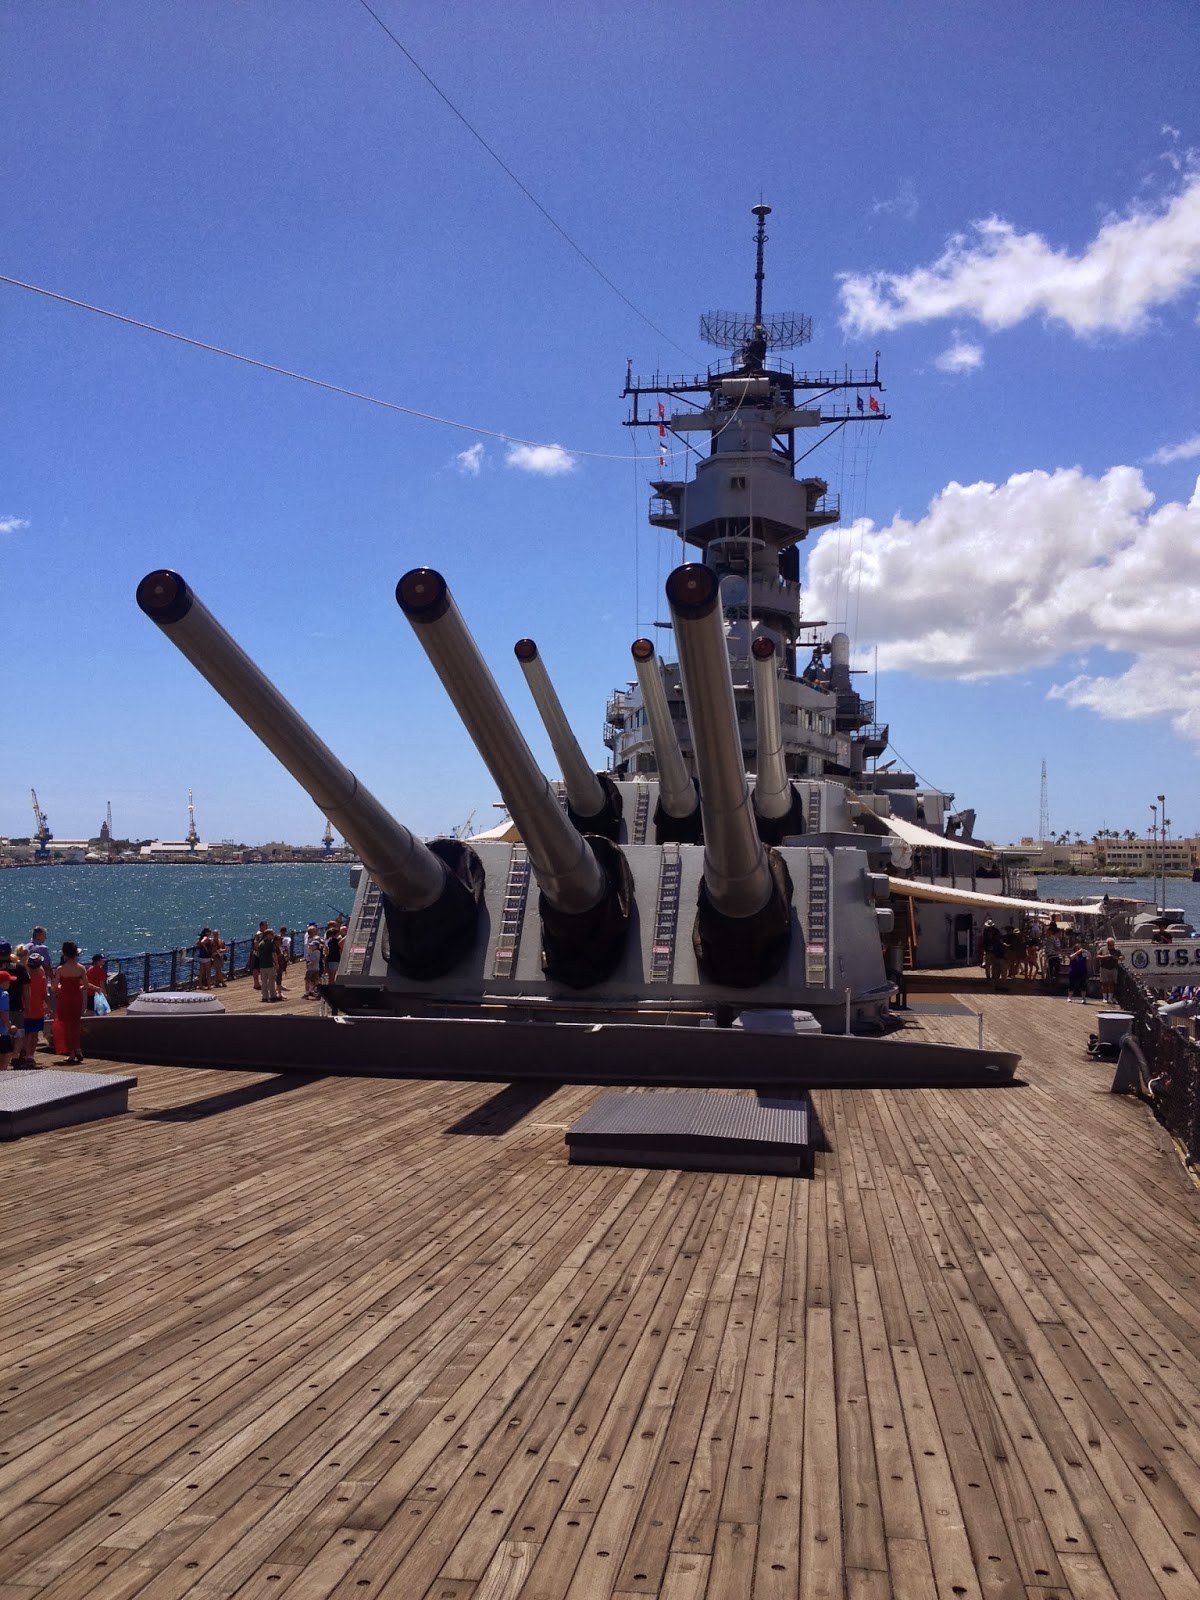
(547, 459)
(962, 356)
(999, 276)
(997, 579)
(1159, 683)
(470, 460)
(902, 204)
(12, 524)
(1187, 451)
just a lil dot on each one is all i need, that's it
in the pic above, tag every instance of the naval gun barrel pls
(776, 803)
(675, 786)
(678, 815)
(585, 883)
(743, 923)
(415, 880)
(404, 868)
(735, 861)
(593, 800)
(772, 796)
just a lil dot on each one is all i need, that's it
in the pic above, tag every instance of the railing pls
(1171, 1058)
(178, 969)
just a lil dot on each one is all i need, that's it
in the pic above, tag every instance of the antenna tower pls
(193, 838)
(754, 336)
(1044, 809)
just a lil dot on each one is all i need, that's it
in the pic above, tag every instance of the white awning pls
(926, 839)
(916, 890)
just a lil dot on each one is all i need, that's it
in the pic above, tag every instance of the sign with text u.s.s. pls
(1162, 963)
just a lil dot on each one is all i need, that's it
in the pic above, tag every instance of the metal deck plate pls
(34, 1101)
(696, 1130)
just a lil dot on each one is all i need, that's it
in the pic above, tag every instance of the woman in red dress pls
(70, 985)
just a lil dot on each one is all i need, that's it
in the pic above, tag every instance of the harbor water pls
(1181, 892)
(128, 909)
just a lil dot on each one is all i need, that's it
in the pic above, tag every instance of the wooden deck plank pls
(350, 1310)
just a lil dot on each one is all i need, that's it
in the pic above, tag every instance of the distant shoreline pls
(183, 861)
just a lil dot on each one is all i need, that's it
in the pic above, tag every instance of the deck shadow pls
(231, 1099)
(502, 1111)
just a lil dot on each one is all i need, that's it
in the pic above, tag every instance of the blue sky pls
(1004, 201)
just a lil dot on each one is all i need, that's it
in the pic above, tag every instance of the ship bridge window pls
(737, 482)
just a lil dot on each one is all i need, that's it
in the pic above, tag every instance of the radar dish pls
(731, 330)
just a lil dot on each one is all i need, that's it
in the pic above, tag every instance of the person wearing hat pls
(97, 976)
(333, 949)
(314, 953)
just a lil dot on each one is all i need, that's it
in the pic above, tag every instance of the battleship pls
(325, 1332)
(729, 882)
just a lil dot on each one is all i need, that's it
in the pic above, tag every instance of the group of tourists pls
(42, 1002)
(1050, 952)
(272, 952)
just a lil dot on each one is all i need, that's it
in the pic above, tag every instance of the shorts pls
(34, 1025)
(6, 1043)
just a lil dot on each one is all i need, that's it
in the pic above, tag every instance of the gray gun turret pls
(593, 800)
(777, 807)
(586, 888)
(677, 817)
(431, 892)
(743, 917)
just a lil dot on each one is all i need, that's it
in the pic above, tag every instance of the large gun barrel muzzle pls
(678, 817)
(743, 923)
(593, 800)
(437, 890)
(777, 806)
(585, 883)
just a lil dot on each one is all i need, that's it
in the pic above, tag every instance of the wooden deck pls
(267, 1337)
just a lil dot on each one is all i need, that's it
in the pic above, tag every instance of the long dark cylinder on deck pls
(406, 870)
(593, 800)
(676, 791)
(568, 873)
(778, 810)
(743, 925)
(772, 789)
(736, 873)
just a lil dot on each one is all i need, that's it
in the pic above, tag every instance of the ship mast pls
(745, 509)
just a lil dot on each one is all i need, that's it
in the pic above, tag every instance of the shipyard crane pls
(42, 835)
(327, 838)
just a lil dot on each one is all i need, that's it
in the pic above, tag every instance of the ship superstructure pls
(750, 422)
(745, 510)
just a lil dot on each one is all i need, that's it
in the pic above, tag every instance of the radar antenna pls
(733, 330)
